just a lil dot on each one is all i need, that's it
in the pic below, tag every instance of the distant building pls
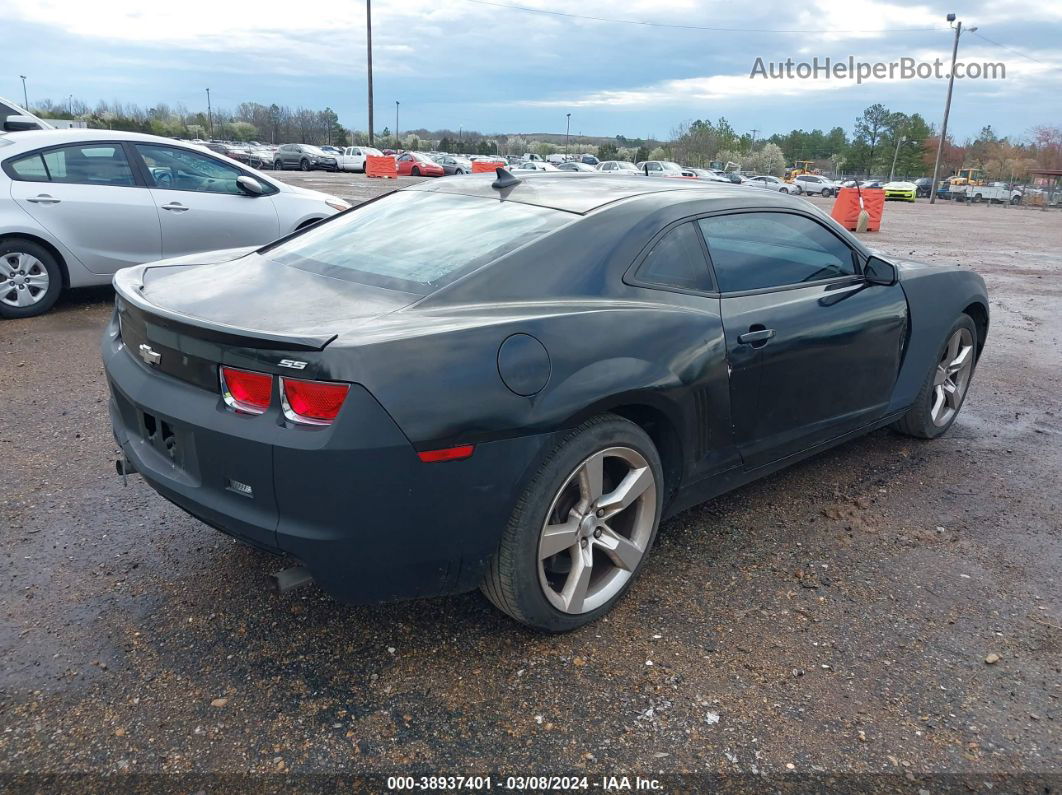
(68, 124)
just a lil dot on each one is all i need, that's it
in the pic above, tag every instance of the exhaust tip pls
(123, 466)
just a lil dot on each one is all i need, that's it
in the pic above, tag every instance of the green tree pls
(870, 128)
(608, 151)
(642, 154)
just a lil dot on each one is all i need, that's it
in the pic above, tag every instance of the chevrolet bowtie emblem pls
(149, 355)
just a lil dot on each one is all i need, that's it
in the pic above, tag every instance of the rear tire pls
(278, 165)
(414, 172)
(546, 591)
(28, 272)
(922, 420)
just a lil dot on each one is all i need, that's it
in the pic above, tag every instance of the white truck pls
(993, 192)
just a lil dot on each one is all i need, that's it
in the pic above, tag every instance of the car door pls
(200, 205)
(405, 164)
(88, 197)
(676, 263)
(813, 349)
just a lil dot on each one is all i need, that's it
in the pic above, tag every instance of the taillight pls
(312, 402)
(245, 391)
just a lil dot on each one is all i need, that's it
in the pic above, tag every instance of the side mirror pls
(878, 271)
(250, 186)
(20, 123)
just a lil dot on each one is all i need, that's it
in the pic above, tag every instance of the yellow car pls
(900, 191)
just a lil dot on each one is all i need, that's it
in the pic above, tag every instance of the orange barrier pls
(485, 166)
(381, 166)
(846, 208)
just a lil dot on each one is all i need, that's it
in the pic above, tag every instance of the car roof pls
(581, 192)
(32, 139)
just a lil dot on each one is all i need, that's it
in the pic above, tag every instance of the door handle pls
(175, 207)
(756, 336)
(43, 198)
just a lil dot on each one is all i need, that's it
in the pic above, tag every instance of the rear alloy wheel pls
(942, 395)
(581, 530)
(278, 166)
(30, 280)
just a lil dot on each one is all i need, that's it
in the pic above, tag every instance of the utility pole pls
(397, 142)
(754, 131)
(947, 106)
(368, 46)
(25, 96)
(896, 154)
(567, 130)
(210, 115)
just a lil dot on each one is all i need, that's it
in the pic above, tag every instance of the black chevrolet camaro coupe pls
(507, 383)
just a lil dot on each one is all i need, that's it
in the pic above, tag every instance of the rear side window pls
(30, 169)
(676, 260)
(84, 164)
(751, 251)
(415, 241)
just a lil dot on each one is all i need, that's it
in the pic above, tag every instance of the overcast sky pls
(458, 63)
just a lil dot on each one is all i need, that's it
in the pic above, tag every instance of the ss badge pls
(293, 364)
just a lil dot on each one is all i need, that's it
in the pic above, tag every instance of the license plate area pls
(162, 437)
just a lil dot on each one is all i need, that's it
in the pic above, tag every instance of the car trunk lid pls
(250, 313)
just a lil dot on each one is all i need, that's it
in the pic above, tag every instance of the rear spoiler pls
(129, 285)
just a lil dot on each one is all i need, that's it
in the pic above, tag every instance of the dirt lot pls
(835, 618)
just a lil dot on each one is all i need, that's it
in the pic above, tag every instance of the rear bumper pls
(352, 502)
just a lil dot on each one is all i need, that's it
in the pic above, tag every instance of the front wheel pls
(826, 193)
(944, 391)
(30, 279)
(415, 172)
(581, 530)
(304, 165)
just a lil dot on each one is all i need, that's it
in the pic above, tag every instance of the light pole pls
(397, 144)
(896, 154)
(25, 96)
(210, 116)
(368, 48)
(947, 105)
(567, 129)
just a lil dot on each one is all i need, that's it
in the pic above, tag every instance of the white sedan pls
(77, 205)
(813, 184)
(772, 183)
(535, 165)
(353, 157)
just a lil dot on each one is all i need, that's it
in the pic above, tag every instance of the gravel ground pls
(890, 607)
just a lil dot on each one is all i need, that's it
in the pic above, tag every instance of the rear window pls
(416, 241)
